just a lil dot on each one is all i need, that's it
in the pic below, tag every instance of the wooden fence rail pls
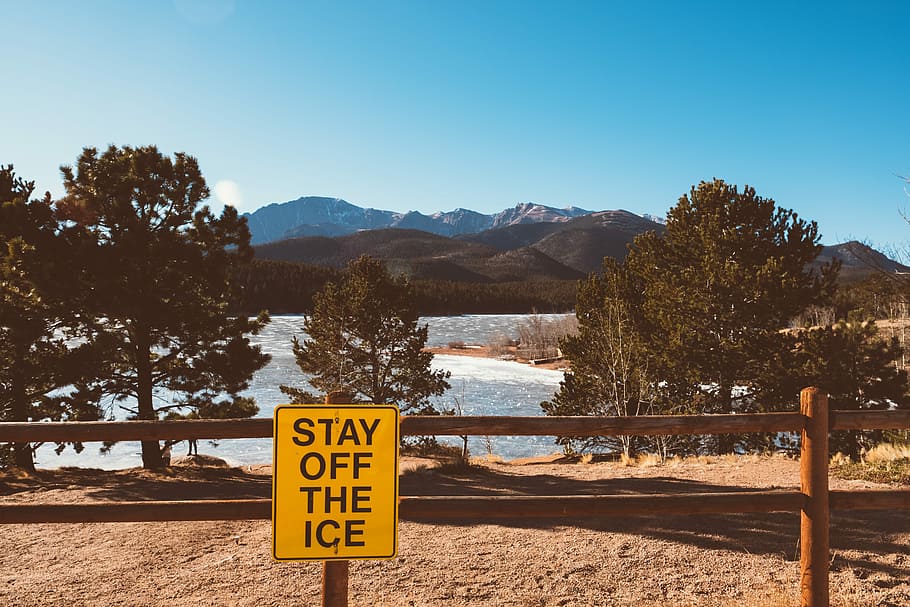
(425, 508)
(437, 425)
(813, 501)
(644, 425)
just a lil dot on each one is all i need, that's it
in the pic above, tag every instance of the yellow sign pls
(335, 482)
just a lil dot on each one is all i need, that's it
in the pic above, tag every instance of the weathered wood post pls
(814, 517)
(335, 573)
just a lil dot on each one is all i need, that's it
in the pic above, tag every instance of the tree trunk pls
(23, 453)
(151, 450)
(626, 442)
(24, 457)
(726, 443)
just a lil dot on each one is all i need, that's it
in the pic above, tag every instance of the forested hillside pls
(515, 268)
(288, 288)
(423, 256)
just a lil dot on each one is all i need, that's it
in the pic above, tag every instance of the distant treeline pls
(281, 287)
(436, 297)
(287, 288)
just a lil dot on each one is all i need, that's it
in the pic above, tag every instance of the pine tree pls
(160, 273)
(692, 319)
(614, 370)
(728, 273)
(363, 337)
(40, 374)
(856, 367)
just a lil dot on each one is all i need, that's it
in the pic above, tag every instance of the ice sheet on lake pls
(483, 386)
(488, 369)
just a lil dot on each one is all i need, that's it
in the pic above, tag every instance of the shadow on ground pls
(177, 483)
(856, 532)
(878, 532)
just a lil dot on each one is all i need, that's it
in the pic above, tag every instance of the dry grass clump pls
(839, 459)
(885, 463)
(645, 460)
(887, 452)
(692, 460)
(649, 460)
(710, 460)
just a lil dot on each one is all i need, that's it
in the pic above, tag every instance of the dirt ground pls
(720, 560)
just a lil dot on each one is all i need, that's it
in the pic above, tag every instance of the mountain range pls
(321, 216)
(527, 242)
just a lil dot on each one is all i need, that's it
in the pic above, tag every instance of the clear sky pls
(431, 105)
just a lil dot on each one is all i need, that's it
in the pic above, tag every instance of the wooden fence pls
(813, 500)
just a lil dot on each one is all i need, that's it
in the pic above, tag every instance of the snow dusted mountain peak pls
(529, 212)
(327, 216)
(661, 219)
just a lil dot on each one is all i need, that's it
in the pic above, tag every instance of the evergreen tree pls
(363, 338)
(160, 273)
(612, 373)
(728, 273)
(692, 320)
(40, 375)
(614, 370)
(856, 367)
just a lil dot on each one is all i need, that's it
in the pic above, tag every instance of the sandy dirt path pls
(720, 560)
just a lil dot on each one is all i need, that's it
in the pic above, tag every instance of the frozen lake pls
(484, 387)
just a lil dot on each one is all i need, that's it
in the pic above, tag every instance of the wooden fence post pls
(335, 573)
(814, 517)
(334, 583)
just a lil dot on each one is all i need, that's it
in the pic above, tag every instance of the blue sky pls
(435, 105)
